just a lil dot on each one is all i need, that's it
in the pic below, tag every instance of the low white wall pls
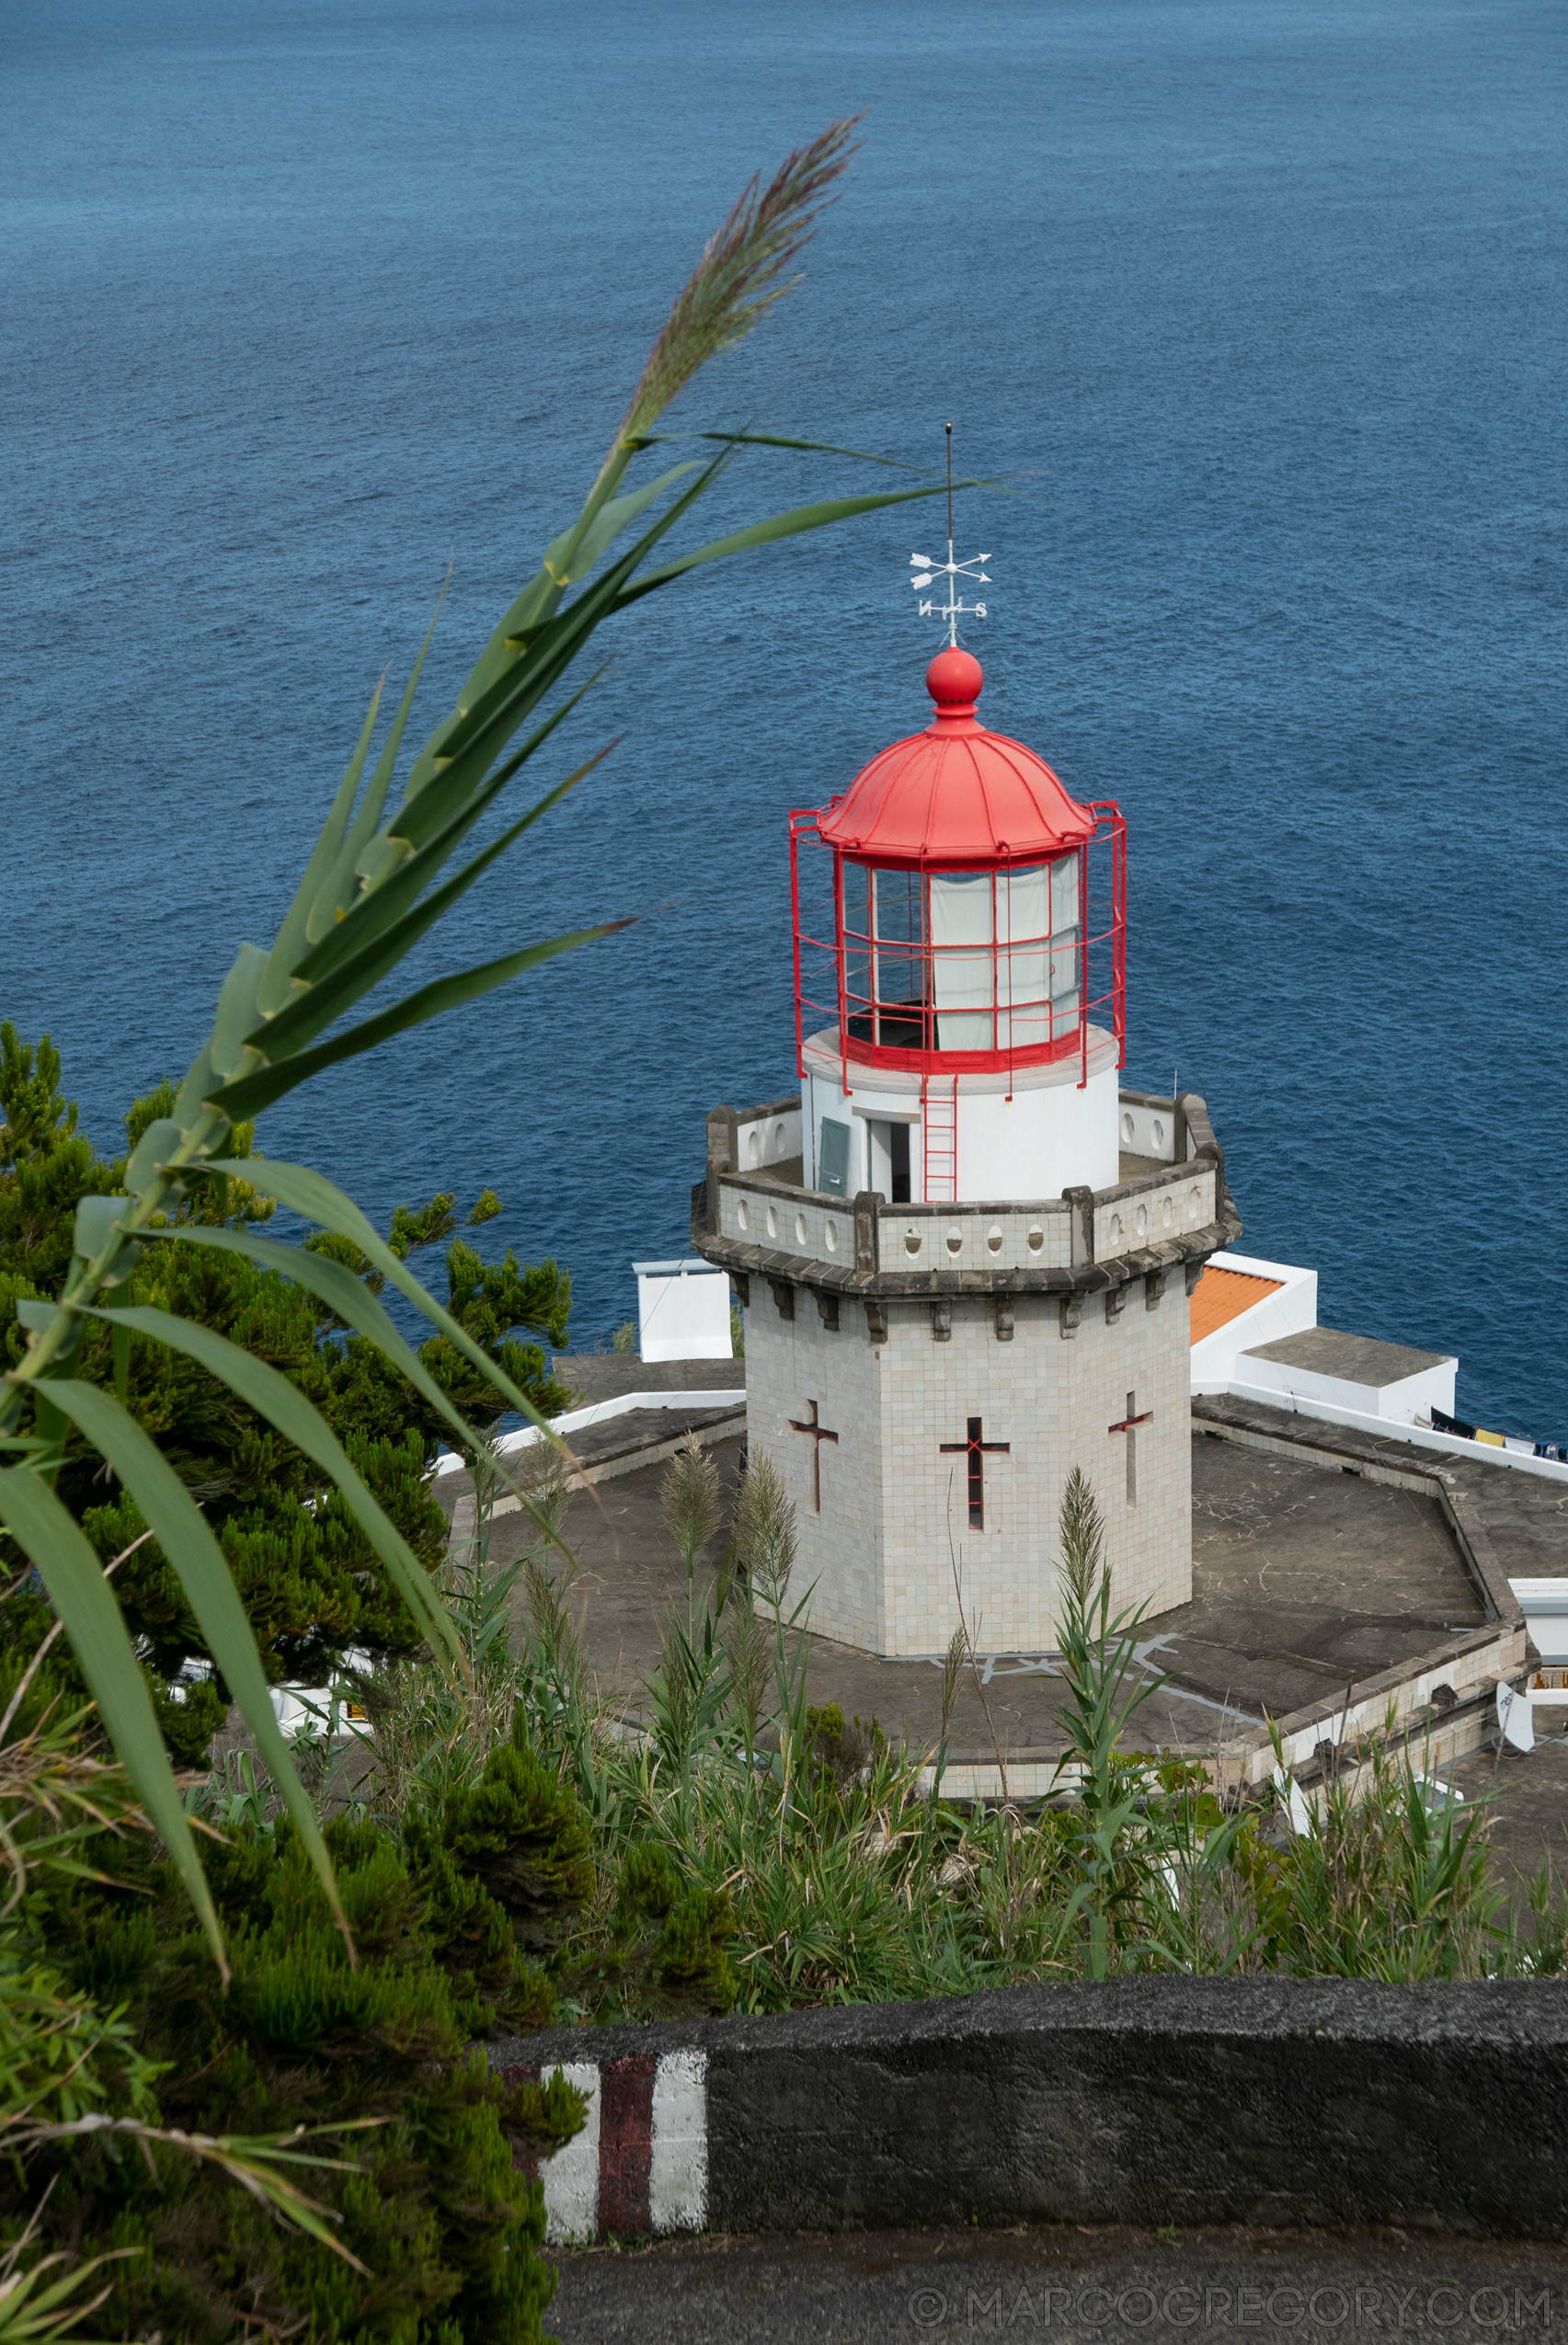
(621, 1405)
(1450, 1445)
(1183, 1202)
(762, 1141)
(1544, 1603)
(1402, 1401)
(1026, 1237)
(1148, 1131)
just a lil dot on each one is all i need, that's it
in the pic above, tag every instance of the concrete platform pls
(1353, 1359)
(1440, 1695)
(1320, 1566)
(1526, 1796)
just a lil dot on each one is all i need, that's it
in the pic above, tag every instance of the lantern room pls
(959, 926)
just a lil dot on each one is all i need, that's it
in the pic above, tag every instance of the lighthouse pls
(966, 1252)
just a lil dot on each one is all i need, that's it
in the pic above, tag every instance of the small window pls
(834, 1157)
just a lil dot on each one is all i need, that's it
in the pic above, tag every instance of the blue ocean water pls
(1260, 302)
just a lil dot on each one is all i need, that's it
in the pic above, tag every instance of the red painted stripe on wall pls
(625, 2146)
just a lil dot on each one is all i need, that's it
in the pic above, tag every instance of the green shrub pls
(841, 1755)
(438, 2209)
(692, 1958)
(493, 1987)
(649, 1881)
(523, 1834)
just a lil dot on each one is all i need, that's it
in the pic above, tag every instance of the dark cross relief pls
(1129, 1424)
(975, 1449)
(820, 1435)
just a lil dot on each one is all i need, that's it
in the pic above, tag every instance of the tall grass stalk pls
(1104, 1694)
(1390, 1879)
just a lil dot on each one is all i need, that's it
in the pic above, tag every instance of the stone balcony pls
(1171, 1207)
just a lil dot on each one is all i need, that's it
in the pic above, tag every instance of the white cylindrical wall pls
(1030, 1136)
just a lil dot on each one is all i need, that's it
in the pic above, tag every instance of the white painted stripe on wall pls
(678, 2167)
(571, 2177)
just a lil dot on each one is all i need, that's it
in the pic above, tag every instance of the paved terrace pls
(1310, 1575)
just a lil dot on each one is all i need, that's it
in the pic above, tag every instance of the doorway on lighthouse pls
(888, 1158)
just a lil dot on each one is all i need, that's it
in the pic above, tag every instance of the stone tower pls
(966, 1253)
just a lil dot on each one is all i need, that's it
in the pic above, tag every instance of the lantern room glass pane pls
(898, 915)
(963, 959)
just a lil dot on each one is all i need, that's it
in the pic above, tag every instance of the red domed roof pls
(957, 794)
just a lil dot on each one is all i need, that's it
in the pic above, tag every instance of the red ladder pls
(939, 1139)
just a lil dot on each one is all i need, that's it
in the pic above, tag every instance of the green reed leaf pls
(602, 531)
(374, 911)
(389, 938)
(255, 1091)
(794, 523)
(182, 1532)
(352, 1300)
(778, 440)
(290, 938)
(284, 1405)
(312, 1195)
(348, 1297)
(83, 1600)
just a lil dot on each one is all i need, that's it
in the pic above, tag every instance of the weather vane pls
(927, 572)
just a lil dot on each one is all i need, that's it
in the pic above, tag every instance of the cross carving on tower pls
(820, 1434)
(974, 1449)
(1128, 1424)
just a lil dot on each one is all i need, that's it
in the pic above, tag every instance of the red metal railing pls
(843, 983)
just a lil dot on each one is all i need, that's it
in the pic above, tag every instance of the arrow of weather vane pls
(927, 572)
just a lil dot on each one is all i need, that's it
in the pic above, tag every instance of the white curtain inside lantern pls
(1007, 979)
(963, 960)
(1022, 975)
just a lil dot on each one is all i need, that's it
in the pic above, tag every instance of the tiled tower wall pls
(895, 1506)
(789, 1364)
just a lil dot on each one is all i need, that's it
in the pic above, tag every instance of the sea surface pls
(1259, 306)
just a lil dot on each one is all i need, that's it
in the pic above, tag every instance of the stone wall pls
(792, 1363)
(1280, 2101)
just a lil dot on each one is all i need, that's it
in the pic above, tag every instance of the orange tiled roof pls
(1223, 1295)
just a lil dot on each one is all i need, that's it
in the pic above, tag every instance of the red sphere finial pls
(954, 680)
